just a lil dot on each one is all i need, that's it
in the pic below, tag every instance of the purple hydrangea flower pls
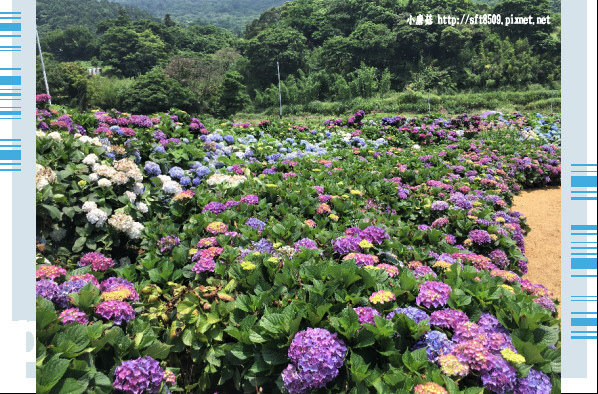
(305, 243)
(117, 311)
(214, 207)
(434, 294)
(480, 237)
(316, 357)
(47, 289)
(545, 302)
(436, 344)
(346, 245)
(167, 243)
(176, 172)
(139, 376)
(501, 377)
(499, 258)
(422, 271)
(152, 168)
(439, 205)
(66, 288)
(536, 382)
(256, 224)
(373, 234)
(417, 315)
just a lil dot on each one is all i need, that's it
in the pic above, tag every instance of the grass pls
(406, 103)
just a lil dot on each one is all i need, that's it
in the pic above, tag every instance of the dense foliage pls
(354, 255)
(332, 50)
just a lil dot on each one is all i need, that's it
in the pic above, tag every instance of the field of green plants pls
(355, 255)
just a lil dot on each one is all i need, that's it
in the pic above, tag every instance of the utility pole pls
(279, 92)
(41, 58)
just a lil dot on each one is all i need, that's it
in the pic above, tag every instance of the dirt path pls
(542, 207)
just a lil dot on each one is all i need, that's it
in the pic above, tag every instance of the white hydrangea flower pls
(90, 159)
(131, 195)
(416, 147)
(104, 183)
(97, 217)
(164, 178)
(136, 229)
(94, 177)
(138, 188)
(89, 205)
(55, 135)
(43, 176)
(172, 187)
(39, 133)
(142, 207)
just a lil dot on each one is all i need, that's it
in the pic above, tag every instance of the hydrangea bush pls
(361, 255)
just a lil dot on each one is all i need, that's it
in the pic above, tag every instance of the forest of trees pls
(327, 50)
(229, 14)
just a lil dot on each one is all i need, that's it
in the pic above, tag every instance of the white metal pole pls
(279, 92)
(41, 58)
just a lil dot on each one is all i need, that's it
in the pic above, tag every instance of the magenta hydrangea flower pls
(117, 311)
(48, 271)
(250, 199)
(316, 357)
(362, 260)
(207, 242)
(474, 354)
(352, 232)
(366, 314)
(139, 376)
(87, 278)
(73, 315)
(97, 261)
(433, 294)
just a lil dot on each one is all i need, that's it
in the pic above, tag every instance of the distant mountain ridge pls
(60, 14)
(229, 14)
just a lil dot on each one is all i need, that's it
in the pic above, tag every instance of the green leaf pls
(79, 243)
(158, 350)
(71, 386)
(451, 386)
(53, 211)
(50, 373)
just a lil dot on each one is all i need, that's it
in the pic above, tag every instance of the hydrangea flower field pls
(353, 255)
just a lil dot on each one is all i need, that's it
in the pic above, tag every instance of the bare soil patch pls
(542, 207)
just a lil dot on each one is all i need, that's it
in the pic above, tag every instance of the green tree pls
(70, 44)
(131, 53)
(153, 92)
(232, 94)
(285, 45)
